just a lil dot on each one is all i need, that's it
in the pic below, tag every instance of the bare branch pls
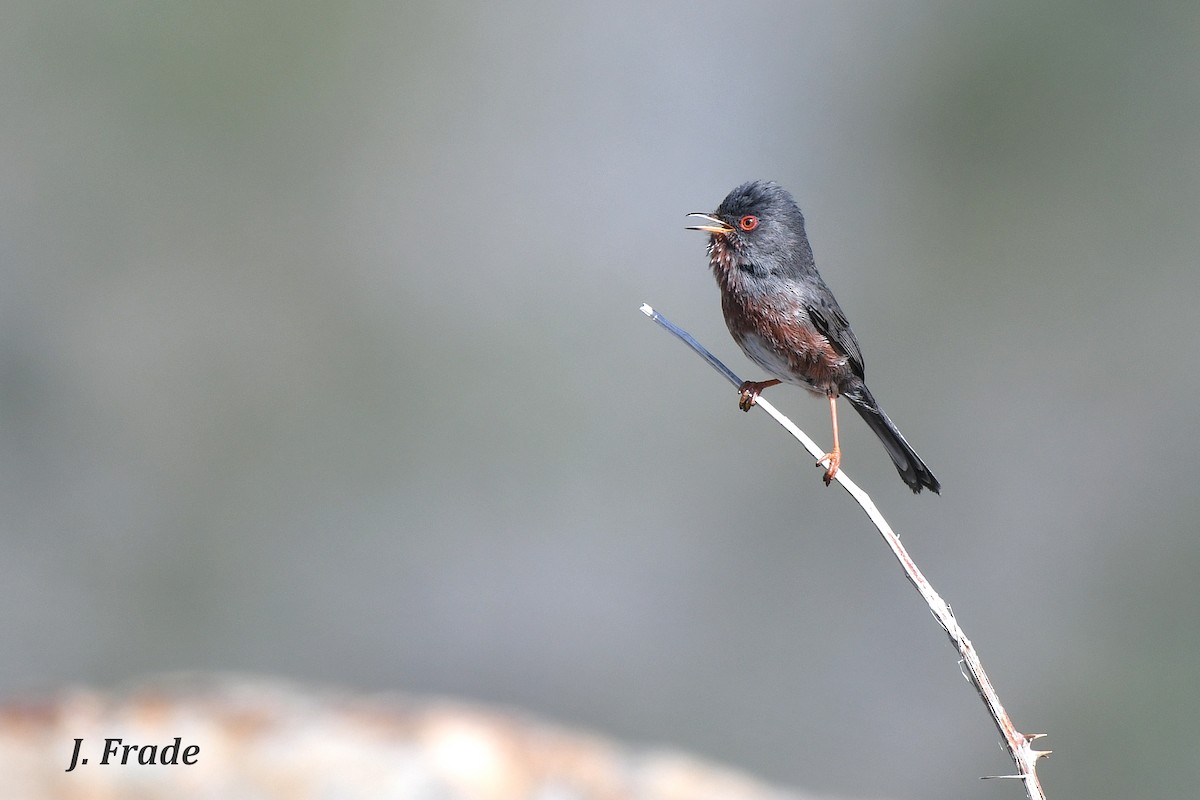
(1020, 745)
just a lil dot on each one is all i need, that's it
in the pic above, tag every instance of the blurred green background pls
(320, 356)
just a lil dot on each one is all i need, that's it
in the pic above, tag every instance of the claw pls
(749, 391)
(747, 397)
(835, 461)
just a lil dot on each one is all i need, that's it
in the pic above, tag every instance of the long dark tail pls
(910, 466)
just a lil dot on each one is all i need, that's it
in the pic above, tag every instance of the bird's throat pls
(721, 257)
(728, 268)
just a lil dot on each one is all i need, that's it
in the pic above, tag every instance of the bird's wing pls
(831, 323)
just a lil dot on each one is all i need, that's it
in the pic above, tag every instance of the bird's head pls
(757, 224)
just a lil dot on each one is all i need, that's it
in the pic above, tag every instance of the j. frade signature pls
(117, 752)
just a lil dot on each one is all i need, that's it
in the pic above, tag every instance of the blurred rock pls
(267, 738)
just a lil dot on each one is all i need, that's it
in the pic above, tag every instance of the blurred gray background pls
(320, 356)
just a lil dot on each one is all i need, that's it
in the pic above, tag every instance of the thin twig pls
(1020, 745)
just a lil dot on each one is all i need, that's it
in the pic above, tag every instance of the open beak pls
(719, 227)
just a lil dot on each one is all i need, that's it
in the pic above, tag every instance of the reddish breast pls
(779, 339)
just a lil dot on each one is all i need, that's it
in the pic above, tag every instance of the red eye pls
(748, 222)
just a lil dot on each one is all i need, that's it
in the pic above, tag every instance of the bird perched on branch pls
(783, 316)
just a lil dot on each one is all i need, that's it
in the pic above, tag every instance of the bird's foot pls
(749, 391)
(835, 461)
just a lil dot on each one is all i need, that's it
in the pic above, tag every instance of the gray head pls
(759, 225)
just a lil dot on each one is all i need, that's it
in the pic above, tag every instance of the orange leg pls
(834, 457)
(749, 391)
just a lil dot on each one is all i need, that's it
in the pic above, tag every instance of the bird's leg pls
(834, 457)
(749, 391)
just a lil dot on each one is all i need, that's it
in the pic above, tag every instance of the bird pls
(786, 320)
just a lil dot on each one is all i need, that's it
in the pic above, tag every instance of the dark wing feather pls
(831, 323)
